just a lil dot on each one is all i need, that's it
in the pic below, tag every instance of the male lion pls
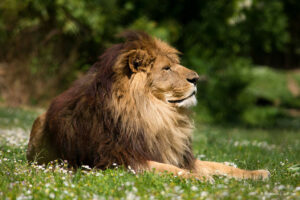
(131, 108)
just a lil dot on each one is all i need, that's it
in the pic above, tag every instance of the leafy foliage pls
(225, 95)
(51, 42)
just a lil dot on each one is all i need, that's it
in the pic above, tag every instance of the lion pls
(132, 108)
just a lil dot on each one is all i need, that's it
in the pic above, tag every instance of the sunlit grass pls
(275, 150)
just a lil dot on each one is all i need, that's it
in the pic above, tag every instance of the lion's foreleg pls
(39, 149)
(159, 168)
(215, 168)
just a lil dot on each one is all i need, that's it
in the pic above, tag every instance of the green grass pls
(276, 150)
(17, 117)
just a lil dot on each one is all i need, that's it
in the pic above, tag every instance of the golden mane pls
(167, 130)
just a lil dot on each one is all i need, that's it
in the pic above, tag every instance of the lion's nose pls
(193, 79)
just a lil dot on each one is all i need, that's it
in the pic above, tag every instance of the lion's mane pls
(109, 116)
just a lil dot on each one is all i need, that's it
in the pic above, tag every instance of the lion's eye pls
(166, 68)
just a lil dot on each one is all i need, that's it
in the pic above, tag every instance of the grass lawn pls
(276, 150)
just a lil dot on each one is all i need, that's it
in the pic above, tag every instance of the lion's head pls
(173, 83)
(155, 67)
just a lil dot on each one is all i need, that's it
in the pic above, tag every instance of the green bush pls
(224, 94)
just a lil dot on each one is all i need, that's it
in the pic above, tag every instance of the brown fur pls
(123, 111)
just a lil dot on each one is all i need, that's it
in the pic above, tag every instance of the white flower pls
(52, 195)
(281, 187)
(194, 188)
(131, 195)
(225, 193)
(85, 166)
(245, 4)
(203, 194)
(128, 183)
(230, 164)
(134, 189)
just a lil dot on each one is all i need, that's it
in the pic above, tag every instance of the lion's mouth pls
(181, 100)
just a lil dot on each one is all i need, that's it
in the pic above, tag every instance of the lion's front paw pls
(260, 174)
(196, 176)
(205, 178)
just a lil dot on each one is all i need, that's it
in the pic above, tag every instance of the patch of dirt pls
(293, 112)
(293, 86)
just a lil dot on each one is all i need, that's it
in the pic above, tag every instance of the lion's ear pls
(139, 60)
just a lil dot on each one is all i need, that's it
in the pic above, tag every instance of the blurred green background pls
(248, 49)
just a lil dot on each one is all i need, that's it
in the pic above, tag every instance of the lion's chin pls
(191, 101)
(185, 102)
